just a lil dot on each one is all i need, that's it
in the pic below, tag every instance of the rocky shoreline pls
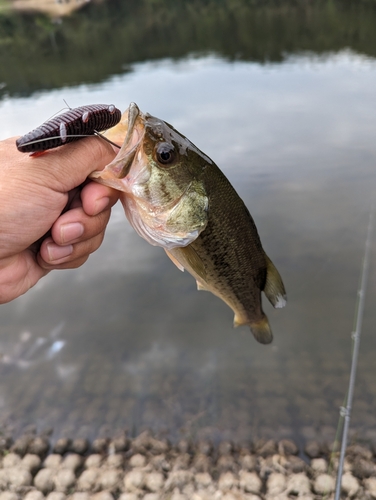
(149, 468)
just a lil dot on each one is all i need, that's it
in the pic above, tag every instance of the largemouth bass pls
(177, 198)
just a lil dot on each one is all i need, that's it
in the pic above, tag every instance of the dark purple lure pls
(70, 126)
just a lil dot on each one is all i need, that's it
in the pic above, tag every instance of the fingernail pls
(72, 231)
(101, 204)
(56, 252)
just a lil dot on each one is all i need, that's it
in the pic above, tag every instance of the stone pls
(349, 484)
(295, 464)
(39, 446)
(88, 479)
(31, 463)
(4, 479)
(225, 448)
(56, 495)
(204, 447)
(44, 482)
(18, 477)
(21, 444)
(249, 481)
(267, 449)
(151, 496)
(324, 484)
(176, 495)
(226, 481)
(158, 446)
(276, 483)
(73, 461)
(184, 446)
(115, 461)
(109, 479)
(154, 481)
(358, 451)
(226, 463)
(202, 463)
(120, 444)
(53, 461)
(11, 460)
(312, 449)
(34, 495)
(319, 465)
(80, 496)
(182, 462)
(93, 461)
(134, 480)
(287, 447)
(363, 468)
(8, 495)
(99, 445)
(5, 443)
(160, 463)
(248, 462)
(128, 496)
(61, 446)
(102, 495)
(370, 485)
(65, 479)
(298, 484)
(178, 479)
(79, 446)
(137, 460)
(203, 479)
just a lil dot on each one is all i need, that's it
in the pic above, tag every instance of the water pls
(126, 341)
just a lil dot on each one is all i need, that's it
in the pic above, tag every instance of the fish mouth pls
(118, 169)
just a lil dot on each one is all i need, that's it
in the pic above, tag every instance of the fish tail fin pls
(274, 288)
(261, 331)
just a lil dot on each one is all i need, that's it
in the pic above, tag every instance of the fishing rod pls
(345, 411)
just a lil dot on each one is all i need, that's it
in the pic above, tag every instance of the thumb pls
(68, 166)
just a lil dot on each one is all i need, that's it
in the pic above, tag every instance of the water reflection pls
(127, 340)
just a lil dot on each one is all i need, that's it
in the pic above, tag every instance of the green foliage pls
(106, 38)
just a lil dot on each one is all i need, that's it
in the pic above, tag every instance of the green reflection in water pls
(104, 39)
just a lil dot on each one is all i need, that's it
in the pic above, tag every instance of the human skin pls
(51, 216)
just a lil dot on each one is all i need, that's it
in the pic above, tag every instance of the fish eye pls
(165, 153)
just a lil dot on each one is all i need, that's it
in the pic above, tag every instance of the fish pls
(177, 198)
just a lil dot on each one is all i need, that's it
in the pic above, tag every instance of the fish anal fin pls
(240, 320)
(175, 261)
(261, 331)
(201, 286)
(274, 288)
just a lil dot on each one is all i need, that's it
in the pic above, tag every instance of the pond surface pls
(126, 341)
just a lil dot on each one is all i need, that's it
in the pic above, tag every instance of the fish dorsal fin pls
(274, 288)
(188, 258)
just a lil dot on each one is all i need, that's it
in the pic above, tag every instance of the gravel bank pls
(148, 468)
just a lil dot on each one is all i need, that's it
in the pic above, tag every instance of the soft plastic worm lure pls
(69, 126)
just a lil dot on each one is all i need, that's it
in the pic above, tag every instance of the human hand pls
(51, 217)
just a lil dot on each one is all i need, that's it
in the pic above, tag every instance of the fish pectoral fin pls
(274, 288)
(190, 260)
(175, 261)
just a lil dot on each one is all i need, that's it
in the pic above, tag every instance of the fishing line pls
(345, 411)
